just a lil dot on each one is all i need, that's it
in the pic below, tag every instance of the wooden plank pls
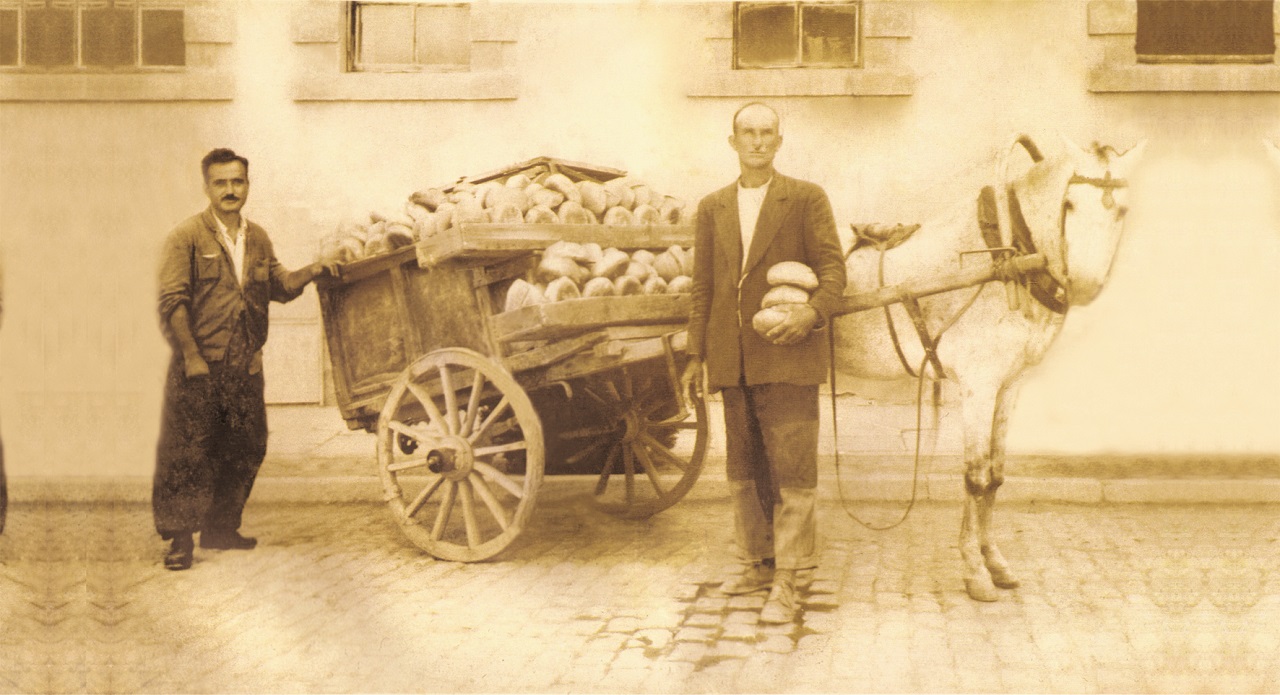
(607, 356)
(562, 319)
(504, 270)
(935, 285)
(366, 267)
(553, 352)
(497, 241)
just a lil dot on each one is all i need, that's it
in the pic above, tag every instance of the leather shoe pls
(179, 555)
(226, 540)
(754, 577)
(780, 607)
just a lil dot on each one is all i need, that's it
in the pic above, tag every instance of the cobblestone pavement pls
(1130, 598)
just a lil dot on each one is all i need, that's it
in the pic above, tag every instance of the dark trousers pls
(771, 432)
(4, 490)
(213, 437)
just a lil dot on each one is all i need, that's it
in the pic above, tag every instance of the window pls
(90, 35)
(797, 35)
(407, 37)
(1205, 31)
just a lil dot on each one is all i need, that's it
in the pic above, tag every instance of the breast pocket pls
(208, 268)
(260, 272)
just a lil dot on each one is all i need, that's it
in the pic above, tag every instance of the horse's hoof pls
(981, 590)
(1003, 578)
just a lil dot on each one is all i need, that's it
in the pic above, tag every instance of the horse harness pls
(1041, 285)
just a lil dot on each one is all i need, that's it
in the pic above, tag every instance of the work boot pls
(179, 555)
(780, 607)
(226, 540)
(754, 577)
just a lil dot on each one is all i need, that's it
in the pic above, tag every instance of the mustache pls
(230, 198)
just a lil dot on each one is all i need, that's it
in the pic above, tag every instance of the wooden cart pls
(470, 404)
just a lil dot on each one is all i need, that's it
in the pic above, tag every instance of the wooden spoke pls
(490, 501)
(450, 400)
(494, 475)
(407, 430)
(649, 468)
(629, 466)
(428, 404)
(502, 406)
(663, 452)
(498, 449)
(446, 509)
(589, 432)
(626, 385)
(473, 403)
(610, 461)
(469, 514)
(612, 391)
(407, 465)
(416, 506)
(674, 424)
(597, 398)
(588, 451)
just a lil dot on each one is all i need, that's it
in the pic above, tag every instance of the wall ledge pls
(366, 86)
(201, 85)
(803, 83)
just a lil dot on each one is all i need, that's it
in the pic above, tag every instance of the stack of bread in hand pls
(790, 284)
(569, 270)
(547, 198)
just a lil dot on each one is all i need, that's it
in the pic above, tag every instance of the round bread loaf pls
(627, 285)
(571, 212)
(506, 213)
(612, 264)
(541, 214)
(518, 294)
(598, 287)
(766, 320)
(681, 284)
(553, 267)
(646, 214)
(784, 294)
(560, 182)
(643, 256)
(639, 271)
(593, 197)
(517, 181)
(569, 249)
(444, 216)
(429, 198)
(793, 273)
(561, 289)
(655, 285)
(617, 216)
(508, 196)
(540, 195)
(667, 266)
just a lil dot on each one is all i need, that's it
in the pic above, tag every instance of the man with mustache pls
(769, 383)
(218, 273)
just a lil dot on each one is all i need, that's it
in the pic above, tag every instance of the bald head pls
(757, 113)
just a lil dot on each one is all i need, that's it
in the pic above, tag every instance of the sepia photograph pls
(639, 346)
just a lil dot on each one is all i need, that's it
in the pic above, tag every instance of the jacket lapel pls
(729, 228)
(772, 212)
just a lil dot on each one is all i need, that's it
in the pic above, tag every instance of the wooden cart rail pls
(489, 242)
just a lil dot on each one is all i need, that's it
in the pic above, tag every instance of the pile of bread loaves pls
(547, 198)
(790, 284)
(569, 270)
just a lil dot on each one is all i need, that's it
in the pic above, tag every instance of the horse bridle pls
(1107, 184)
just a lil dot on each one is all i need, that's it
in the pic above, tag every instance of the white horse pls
(1073, 204)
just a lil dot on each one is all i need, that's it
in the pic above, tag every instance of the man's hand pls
(196, 366)
(693, 383)
(801, 318)
(329, 268)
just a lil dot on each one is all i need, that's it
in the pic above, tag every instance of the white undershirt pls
(236, 247)
(750, 200)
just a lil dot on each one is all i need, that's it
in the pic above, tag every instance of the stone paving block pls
(626, 625)
(739, 631)
(653, 638)
(695, 634)
(750, 602)
(776, 644)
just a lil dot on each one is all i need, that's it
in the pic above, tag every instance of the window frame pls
(77, 67)
(1206, 58)
(353, 43)
(800, 64)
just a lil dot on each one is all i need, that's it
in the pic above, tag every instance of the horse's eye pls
(1122, 211)
(1068, 205)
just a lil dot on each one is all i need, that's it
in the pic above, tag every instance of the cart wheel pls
(652, 453)
(477, 444)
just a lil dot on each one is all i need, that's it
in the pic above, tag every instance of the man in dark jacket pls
(217, 275)
(769, 383)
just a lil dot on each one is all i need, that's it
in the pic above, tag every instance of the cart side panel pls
(366, 338)
(445, 310)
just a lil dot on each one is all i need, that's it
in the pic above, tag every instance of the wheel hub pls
(632, 427)
(453, 458)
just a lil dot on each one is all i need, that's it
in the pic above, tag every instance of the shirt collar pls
(222, 228)
(761, 188)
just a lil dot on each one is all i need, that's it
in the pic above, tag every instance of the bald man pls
(769, 383)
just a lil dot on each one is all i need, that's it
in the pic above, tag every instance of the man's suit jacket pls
(795, 224)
